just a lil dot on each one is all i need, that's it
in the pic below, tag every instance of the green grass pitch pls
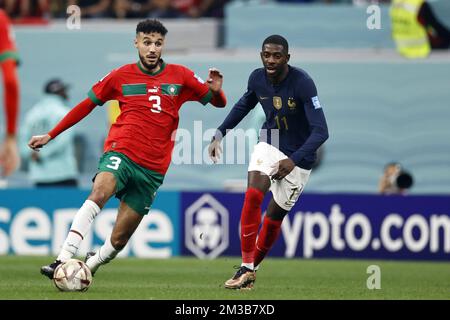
(190, 278)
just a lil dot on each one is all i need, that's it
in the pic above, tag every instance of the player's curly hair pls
(151, 25)
(277, 39)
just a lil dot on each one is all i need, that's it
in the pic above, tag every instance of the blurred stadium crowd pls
(345, 57)
(120, 9)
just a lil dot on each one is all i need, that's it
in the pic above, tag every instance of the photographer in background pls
(56, 165)
(395, 180)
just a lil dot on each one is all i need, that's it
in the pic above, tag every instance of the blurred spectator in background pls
(297, 1)
(20, 9)
(162, 9)
(200, 8)
(9, 59)
(438, 34)
(366, 2)
(416, 30)
(145, 8)
(169, 8)
(58, 8)
(54, 165)
(395, 180)
(93, 8)
(132, 8)
(206, 8)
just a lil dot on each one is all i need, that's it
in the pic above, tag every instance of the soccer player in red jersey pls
(9, 155)
(137, 151)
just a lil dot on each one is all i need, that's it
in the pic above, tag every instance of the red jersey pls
(7, 47)
(149, 105)
(10, 84)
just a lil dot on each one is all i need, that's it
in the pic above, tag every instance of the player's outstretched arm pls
(75, 115)
(246, 103)
(215, 81)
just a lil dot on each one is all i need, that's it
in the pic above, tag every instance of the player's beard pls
(277, 75)
(147, 65)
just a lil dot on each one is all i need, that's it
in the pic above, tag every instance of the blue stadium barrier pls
(206, 225)
(36, 222)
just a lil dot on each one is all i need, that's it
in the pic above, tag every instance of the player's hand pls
(214, 150)
(9, 156)
(215, 80)
(37, 142)
(282, 168)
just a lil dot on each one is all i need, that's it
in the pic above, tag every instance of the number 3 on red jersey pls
(156, 106)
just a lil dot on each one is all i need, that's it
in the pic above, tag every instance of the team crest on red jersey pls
(171, 89)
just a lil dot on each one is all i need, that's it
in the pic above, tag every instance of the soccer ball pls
(72, 275)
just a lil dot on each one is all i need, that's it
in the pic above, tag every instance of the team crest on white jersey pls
(198, 78)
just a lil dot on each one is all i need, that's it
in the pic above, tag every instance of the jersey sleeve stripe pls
(9, 55)
(94, 98)
(134, 89)
(207, 98)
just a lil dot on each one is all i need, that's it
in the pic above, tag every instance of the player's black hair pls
(151, 25)
(277, 39)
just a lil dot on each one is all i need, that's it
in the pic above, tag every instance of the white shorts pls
(287, 190)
